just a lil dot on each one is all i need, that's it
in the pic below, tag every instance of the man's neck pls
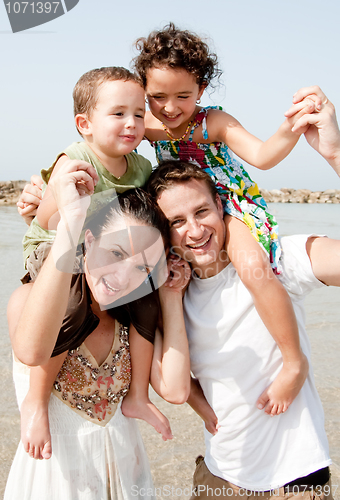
(214, 268)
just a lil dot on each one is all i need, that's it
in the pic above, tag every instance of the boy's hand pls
(30, 199)
(321, 128)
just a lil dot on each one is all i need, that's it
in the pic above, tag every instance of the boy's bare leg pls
(35, 429)
(201, 406)
(136, 403)
(274, 306)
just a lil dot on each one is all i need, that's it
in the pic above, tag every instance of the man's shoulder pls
(297, 274)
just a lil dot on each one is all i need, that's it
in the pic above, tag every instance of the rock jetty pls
(287, 195)
(10, 191)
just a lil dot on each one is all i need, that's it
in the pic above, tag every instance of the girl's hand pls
(72, 186)
(179, 274)
(320, 127)
(30, 199)
(297, 111)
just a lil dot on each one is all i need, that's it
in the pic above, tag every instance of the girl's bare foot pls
(35, 430)
(283, 390)
(145, 410)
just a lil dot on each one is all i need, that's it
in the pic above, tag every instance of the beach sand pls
(173, 462)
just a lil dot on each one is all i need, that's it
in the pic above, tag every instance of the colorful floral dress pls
(240, 195)
(97, 453)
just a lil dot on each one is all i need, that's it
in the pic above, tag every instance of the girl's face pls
(120, 259)
(172, 95)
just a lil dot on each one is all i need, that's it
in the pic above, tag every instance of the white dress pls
(97, 453)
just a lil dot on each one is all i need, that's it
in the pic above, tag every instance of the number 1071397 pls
(32, 7)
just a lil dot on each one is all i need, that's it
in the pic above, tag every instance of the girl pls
(97, 452)
(175, 68)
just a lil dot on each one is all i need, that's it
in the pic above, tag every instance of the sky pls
(267, 49)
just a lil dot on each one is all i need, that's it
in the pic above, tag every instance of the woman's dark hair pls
(176, 48)
(135, 203)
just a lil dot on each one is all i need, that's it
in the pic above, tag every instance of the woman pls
(97, 452)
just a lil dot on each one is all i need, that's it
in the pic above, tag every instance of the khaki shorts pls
(208, 486)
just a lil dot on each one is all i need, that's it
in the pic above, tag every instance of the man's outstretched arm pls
(324, 254)
(323, 131)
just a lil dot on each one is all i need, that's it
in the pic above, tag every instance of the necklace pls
(193, 122)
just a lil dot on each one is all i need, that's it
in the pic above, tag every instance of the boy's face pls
(116, 125)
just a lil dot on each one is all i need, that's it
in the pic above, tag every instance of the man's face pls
(197, 229)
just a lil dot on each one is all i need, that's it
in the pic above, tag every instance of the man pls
(232, 354)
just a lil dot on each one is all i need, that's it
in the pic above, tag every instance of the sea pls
(322, 316)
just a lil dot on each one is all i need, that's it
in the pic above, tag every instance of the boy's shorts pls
(79, 320)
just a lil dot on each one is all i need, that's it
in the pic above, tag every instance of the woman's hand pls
(30, 199)
(71, 188)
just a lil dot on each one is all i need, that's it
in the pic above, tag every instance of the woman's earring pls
(199, 101)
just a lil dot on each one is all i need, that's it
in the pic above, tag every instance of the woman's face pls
(120, 259)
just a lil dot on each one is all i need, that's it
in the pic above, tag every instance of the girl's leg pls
(136, 403)
(35, 430)
(276, 311)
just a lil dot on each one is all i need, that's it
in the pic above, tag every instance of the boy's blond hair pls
(85, 92)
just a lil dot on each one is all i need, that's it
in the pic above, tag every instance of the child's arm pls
(276, 311)
(172, 384)
(263, 155)
(35, 430)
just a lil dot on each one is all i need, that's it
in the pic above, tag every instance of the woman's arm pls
(35, 333)
(170, 371)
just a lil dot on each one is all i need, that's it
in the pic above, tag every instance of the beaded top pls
(94, 391)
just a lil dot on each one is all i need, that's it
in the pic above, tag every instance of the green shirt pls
(137, 173)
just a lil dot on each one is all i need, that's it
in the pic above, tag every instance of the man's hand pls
(30, 199)
(320, 127)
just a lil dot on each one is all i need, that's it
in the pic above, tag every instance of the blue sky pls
(267, 49)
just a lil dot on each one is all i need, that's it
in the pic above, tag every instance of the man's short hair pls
(85, 93)
(172, 172)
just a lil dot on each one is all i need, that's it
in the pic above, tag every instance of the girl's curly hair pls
(176, 49)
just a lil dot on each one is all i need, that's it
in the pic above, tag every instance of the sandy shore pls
(172, 463)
